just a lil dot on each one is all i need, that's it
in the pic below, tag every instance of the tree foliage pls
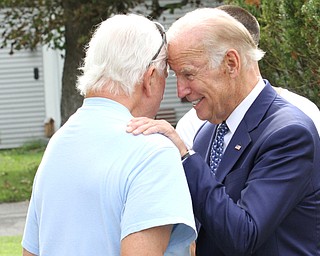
(290, 35)
(29, 23)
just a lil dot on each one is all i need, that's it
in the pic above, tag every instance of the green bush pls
(290, 35)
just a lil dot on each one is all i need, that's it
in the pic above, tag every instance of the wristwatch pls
(190, 152)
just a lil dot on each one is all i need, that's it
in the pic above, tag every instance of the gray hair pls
(119, 53)
(221, 32)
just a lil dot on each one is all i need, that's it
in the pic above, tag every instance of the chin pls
(201, 117)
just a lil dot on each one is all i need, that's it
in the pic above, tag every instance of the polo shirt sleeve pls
(157, 194)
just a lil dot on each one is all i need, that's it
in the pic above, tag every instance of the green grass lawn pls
(10, 246)
(17, 170)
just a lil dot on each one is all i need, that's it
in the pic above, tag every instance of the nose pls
(182, 89)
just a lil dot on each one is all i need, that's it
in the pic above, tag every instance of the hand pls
(146, 126)
(193, 249)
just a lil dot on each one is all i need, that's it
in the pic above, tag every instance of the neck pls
(128, 101)
(249, 79)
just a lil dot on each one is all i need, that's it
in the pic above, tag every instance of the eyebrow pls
(188, 70)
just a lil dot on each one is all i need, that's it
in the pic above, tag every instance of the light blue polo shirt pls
(97, 184)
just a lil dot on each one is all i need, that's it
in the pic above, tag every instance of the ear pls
(147, 81)
(232, 60)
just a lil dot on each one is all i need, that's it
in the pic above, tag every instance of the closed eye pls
(189, 76)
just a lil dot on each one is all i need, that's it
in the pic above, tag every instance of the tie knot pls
(222, 129)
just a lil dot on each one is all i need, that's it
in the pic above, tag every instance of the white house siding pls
(22, 106)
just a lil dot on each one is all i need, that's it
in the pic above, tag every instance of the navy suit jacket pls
(265, 196)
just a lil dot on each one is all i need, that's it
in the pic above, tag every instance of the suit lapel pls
(241, 139)
(202, 143)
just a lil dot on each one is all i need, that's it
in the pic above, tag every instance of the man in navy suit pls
(264, 196)
(189, 124)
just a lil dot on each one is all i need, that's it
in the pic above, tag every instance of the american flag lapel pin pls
(237, 147)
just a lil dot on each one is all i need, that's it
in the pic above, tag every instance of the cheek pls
(217, 95)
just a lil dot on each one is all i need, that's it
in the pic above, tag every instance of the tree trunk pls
(75, 30)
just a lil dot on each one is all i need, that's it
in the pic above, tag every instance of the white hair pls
(220, 32)
(119, 53)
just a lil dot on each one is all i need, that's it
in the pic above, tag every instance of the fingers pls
(143, 125)
(145, 129)
(146, 126)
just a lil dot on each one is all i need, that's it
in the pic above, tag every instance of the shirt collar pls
(237, 115)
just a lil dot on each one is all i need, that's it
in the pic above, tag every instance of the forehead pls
(186, 52)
